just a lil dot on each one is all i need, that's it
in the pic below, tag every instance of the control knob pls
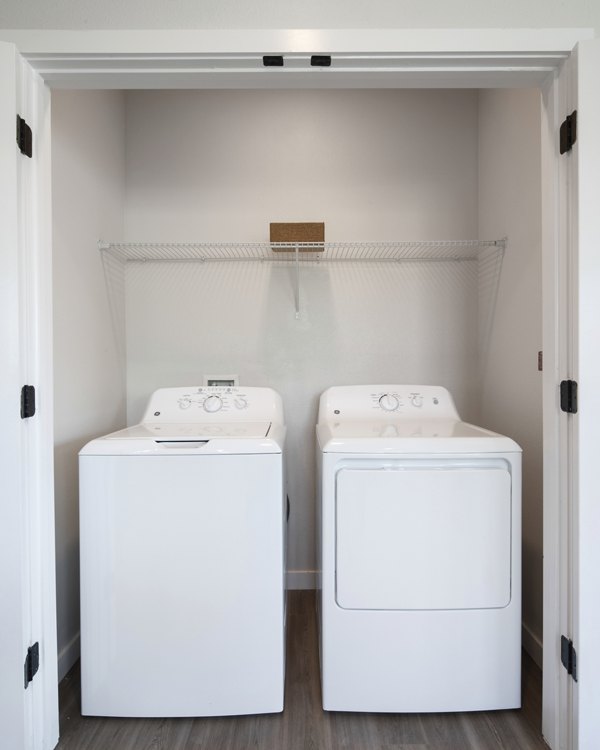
(389, 402)
(240, 402)
(416, 400)
(185, 403)
(212, 404)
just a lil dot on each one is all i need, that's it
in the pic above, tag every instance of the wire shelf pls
(187, 252)
(487, 253)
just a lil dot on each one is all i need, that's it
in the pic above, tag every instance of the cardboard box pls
(302, 231)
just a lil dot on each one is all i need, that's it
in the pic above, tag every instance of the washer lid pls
(192, 431)
(164, 439)
(410, 436)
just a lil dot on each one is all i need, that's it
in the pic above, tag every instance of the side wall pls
(374, 165)
(88, 153)
(511, 395)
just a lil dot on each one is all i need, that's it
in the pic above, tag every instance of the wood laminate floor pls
(304, 725)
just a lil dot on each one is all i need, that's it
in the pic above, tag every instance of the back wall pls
(374, 165)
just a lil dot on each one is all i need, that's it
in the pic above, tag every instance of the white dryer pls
(182, 521)
(419, 539)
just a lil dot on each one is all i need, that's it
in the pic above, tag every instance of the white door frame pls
(557, 276)
(585, 369)
(474, 58)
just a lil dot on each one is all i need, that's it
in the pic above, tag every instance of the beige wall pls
(88, 140)
(374, 165)
(261, 14)
(511, 395)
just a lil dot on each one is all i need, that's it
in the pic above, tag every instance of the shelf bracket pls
(297, 290)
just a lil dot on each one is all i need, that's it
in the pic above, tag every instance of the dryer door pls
(422, 537)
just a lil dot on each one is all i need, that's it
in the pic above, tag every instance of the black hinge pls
(27, 401)
(273, 61)
(24, 137)
(568, 396)
(32, 662)
(568, 656)
(320, 61)
(568, 132)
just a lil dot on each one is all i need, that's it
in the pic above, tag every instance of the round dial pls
(416, 400)
(185, 403)
(389, 402)
(240, 402)
(212, 404)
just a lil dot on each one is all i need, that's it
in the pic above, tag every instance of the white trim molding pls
(289, 41)
(365, 58)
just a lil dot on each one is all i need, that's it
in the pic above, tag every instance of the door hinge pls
(24, 137)
(568, 656)
(32, 662)
(568, 396)
(27, 401)
(568, 132)
(273, 61)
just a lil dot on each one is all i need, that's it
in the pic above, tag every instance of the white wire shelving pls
(188, 252)
(416, 251)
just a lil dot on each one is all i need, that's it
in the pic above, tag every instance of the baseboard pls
(67, 656)
(301, 579)
(532, 644)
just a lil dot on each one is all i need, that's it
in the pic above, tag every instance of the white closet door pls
(12, 694)
(586, 371)
(28, 714)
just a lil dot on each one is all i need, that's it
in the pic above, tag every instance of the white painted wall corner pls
(68, 655)
(532, 644)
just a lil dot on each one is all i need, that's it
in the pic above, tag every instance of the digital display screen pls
(229, 383)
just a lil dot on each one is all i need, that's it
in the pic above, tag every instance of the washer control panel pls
(214, 403)
(395, 401)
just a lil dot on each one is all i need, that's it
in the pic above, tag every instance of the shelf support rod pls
(297, 290)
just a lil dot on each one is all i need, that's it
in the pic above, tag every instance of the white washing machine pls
(182, 521)
(419, 534)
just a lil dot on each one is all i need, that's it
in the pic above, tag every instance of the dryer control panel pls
(394, 401)
(214, 404)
